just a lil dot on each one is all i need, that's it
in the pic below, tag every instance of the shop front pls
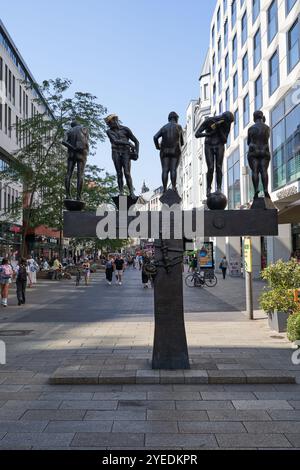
(10, 240)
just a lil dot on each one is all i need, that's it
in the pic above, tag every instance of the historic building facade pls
(254, 63)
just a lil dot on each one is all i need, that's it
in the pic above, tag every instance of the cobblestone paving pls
(112, 327)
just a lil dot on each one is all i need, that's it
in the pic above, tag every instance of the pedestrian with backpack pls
(21, 281)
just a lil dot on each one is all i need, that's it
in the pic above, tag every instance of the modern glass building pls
(254, 53)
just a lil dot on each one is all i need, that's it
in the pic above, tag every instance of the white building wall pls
(18, 103)
(281, 246)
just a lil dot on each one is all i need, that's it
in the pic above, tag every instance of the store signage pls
(206, 256)
(248, 255)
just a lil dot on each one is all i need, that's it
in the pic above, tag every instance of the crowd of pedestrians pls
(24, 273)
(116, 264)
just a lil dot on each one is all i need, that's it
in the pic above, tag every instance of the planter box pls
(278, 321)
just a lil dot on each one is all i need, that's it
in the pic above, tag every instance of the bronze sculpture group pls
(169, 140)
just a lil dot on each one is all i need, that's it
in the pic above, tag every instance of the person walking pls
(86, 271)
(32, 268)
(224, 266)
(119, 268)
(21, 281)
(6, 273)
(109, 269)
(57, 267)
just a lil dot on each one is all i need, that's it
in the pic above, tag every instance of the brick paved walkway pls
(116, 322)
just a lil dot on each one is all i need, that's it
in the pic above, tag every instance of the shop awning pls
(289, 209)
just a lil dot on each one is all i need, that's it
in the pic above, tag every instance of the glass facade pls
(226, 67)
(233, 178)
(244, 28)
(245, 71)
(258, 93)
(286, 141)
(256, 48)
(236, 124)
(235, 87)
(225, 33)
(227, 100)
(234, 49)
(272, 21)
(255, 9)
(274, 78)
(293, 45)
(289, 5)
(233, 13)
(246, 111)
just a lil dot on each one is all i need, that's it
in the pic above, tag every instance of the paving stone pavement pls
(111, 328)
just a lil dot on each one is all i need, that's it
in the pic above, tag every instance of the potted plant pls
(293, 327)
(278, 299)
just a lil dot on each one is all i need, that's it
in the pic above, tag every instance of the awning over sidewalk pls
(289, 209)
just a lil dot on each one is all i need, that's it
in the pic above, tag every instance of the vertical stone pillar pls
(170, 345)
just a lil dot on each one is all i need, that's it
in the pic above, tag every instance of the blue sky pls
(141, 58)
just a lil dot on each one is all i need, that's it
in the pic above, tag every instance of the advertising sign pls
(206, 256)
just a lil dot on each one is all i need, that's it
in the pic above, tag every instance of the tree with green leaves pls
(40, 162)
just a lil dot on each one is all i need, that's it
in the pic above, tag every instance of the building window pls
(233, 178)
(235, 86)
(293, 45)
(227, 100)
(213, 64)
(220, 81)
(233, 13)
(286, 142)
(256, 48)
(289, 5)
(244, 28)
(226, 67)
(218, 19)
(213, 36)
(214, 94)
(221, 107)
(225, 33)
(245, 67)
(236, 124)
(205, 88)
(272, 21)
(9, 122)
(234, 49)
(246, 111)
(205, 91)
(1, 116)
(219, 51)
(258, 93)
(224, 7)
(255, 9)
(274, 78)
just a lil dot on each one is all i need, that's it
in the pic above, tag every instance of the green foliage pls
(293, 327)
(282, 277)
(98, 187)
(283, 274)
(278, 299)
(40, 163)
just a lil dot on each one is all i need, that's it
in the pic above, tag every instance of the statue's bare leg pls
(210, 162)
(219, 165)
(165, 164)
(80, 178)
(70, 170)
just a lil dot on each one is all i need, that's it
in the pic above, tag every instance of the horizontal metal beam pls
(228, 223)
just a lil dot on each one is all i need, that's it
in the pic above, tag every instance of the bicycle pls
(201, 279)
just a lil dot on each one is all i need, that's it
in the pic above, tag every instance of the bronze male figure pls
(259, 152)
(77, 143)
(216, 130)
(123, 151)
(171, 136)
